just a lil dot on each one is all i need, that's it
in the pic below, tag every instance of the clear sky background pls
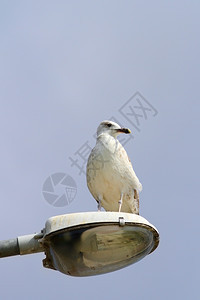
(66, 66)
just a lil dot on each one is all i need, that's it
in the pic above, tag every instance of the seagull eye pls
(109, 125)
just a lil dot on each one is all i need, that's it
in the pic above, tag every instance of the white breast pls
(110, 173)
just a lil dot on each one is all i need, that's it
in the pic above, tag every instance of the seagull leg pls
(120, 202)
(99, 203)
(136, 201)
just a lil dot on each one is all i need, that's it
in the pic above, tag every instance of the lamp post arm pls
(26, 244)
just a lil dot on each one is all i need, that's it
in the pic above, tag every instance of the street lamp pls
(88, 243)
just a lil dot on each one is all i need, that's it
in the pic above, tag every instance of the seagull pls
(110, 175)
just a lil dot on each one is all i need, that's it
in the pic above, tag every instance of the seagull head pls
(111, 128)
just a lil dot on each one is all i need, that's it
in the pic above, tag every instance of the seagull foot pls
(120, 202)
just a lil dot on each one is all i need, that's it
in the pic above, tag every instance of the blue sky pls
(65, 67)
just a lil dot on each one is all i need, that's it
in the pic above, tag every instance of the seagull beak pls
(124, 130)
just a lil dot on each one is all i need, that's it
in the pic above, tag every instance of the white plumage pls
(110, 175)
